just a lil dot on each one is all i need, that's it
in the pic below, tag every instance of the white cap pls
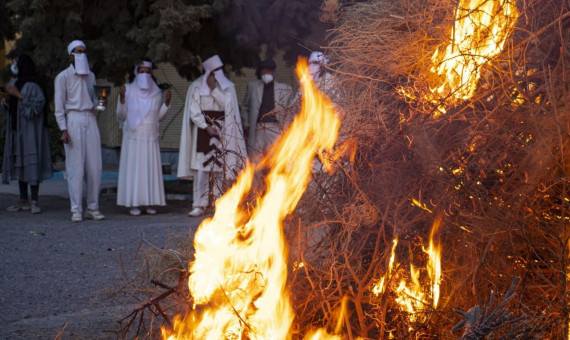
(212, 63)
(319, 57)
(72, 45)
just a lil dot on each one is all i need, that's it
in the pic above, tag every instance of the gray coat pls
(252, 101)
(27, 155)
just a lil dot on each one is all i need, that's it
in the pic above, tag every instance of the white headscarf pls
(315, 69)
(319, 57)
(139, 100)
(72, 45)
(80, 62)
(210, 65)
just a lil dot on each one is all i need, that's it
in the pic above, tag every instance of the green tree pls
(178, 31)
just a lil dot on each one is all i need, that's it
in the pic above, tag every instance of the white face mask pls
(267, 78)
(144, 80)
(314, 70)
(221, 79)
(81, 63)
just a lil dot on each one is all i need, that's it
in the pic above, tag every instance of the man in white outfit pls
(211, 142)
(74, 102)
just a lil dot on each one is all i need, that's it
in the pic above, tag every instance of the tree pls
(118, 33)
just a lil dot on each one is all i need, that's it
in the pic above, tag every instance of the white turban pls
(318, 57)
(144, 63)
(210, 65)
(72, 45)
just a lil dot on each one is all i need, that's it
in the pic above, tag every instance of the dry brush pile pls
(493, 171)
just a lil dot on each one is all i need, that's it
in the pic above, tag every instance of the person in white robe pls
(264, 107)
(212, 147)
(140, 109)
(74, 103)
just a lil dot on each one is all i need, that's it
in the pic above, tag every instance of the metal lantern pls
(102, 92)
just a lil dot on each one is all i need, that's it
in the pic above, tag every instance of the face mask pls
(144, 80)
(267, 78)
(81, 63)
(222, 80)
(314, 70)
(14, 69)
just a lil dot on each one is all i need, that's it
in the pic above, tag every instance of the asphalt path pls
(55, 272)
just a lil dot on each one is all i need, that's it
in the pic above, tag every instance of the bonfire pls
(442, 210)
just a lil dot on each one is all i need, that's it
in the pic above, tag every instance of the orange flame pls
(434, 261)
(412, 297)
(380, 287)
(479, 34)
(238, 278)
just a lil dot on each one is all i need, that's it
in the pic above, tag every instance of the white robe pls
(140, 168)
(232, 142)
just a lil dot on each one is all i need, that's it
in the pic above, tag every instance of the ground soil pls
(55, 272)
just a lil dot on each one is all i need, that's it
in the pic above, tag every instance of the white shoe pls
(76, 217)
(150, 211)
(198, 211)
(135, 211)
(94, 215)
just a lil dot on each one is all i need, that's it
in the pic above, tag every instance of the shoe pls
(198, 211)
(35, 207)
(135, 211)
(94, 215)
(21, 205)
(76, 217)
(150, 211)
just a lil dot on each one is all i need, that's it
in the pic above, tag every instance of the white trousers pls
(201, 188)
(83, 159)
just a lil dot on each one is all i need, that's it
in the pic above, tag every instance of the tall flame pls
(479, 34)
(238, 278)
(434, 261)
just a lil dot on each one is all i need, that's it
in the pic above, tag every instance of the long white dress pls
(140, 168)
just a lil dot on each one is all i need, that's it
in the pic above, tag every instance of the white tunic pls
(232, 142)
(140, 168)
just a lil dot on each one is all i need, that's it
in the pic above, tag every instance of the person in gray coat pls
(263, 108)
(27, 158)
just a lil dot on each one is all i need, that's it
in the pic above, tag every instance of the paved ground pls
(53, 271)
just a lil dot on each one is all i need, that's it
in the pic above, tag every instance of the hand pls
(167, 98)
(122, 93)
(65, 137)
(13, 91)
(211, 81)
(212, 131)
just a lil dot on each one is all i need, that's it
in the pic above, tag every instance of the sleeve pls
(162, 112)
(245, 107)
(219, 96)
(196, 114)
(33, 101)
(59, 101)
(121, 110)
(92, 94)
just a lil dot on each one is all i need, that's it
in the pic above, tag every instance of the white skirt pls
(140, 172)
